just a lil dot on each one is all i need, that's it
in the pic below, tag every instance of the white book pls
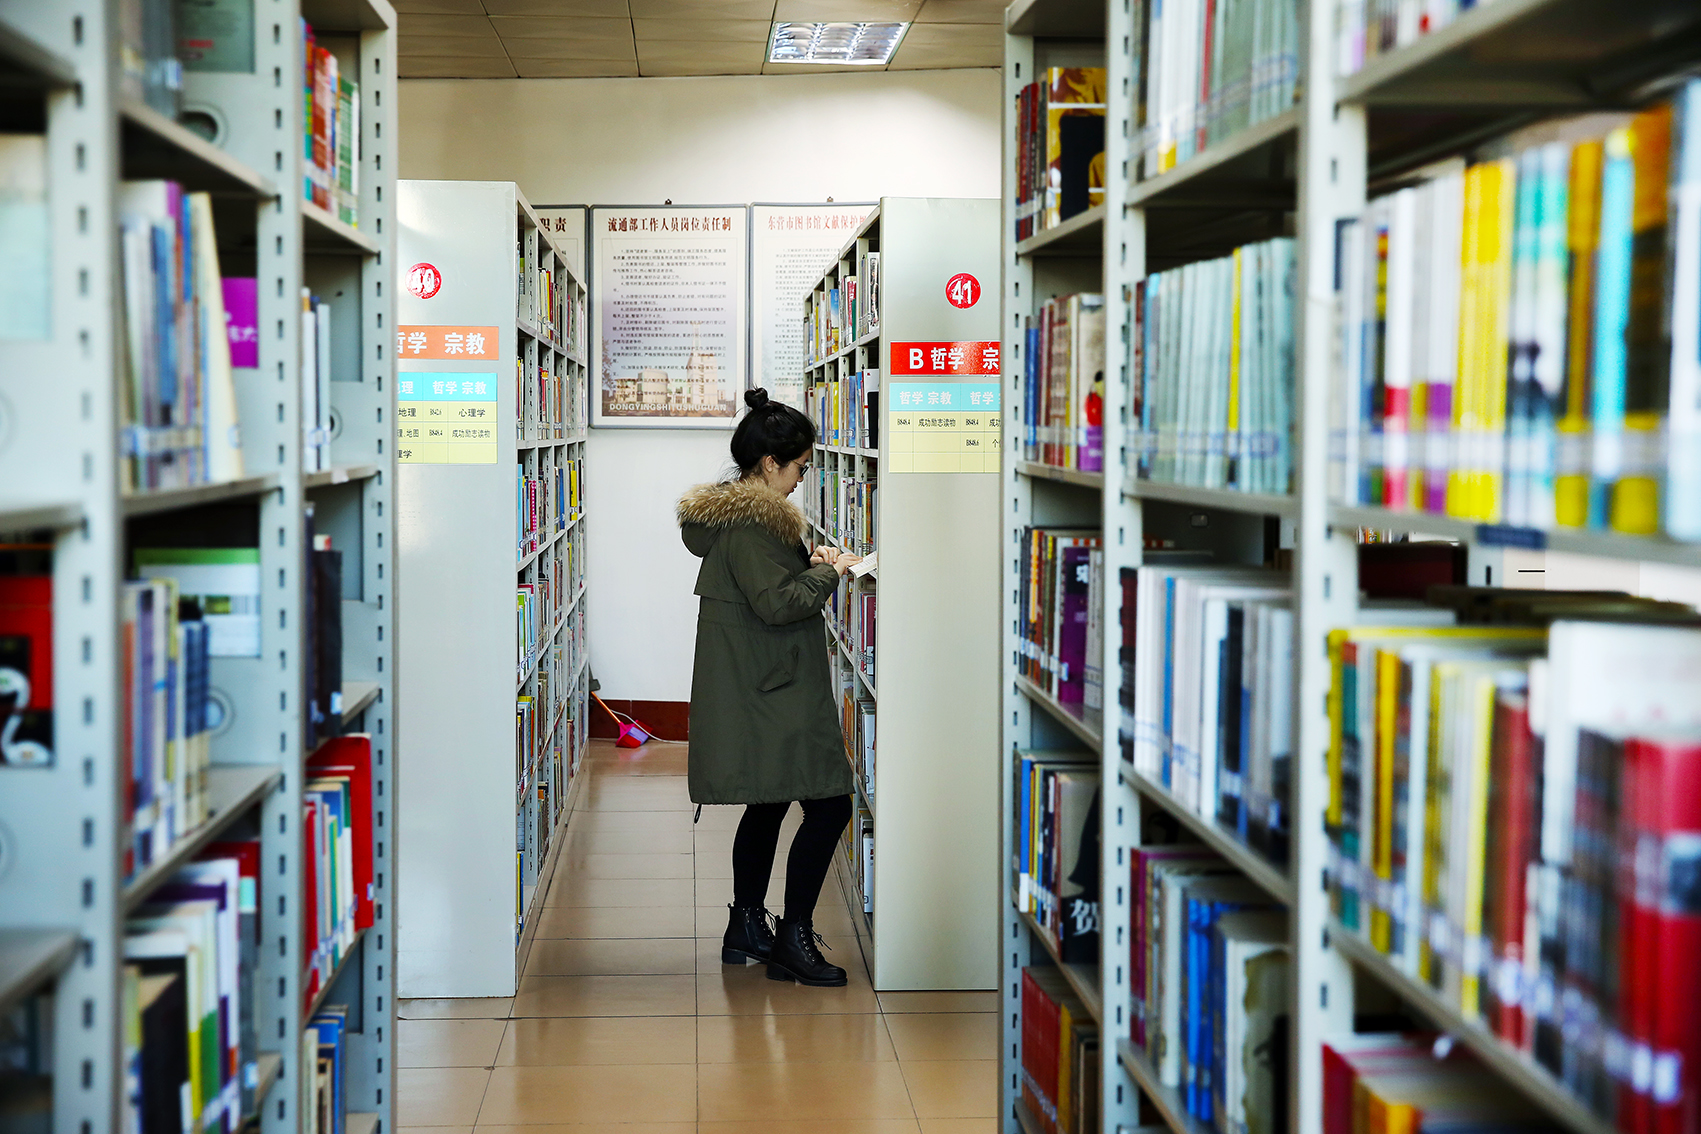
(1249, 1008)
(1683, 477)
(1347, 412)
(222, 436)
(1397, 348)
(321, 452)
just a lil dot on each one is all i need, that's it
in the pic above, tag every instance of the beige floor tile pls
(434, 1130)
(796, 1092)
(627, 822)
(592, 1041)
(709, 956)
(612, 957)
(636, 793)
(439, 1096)
(713, 863)
(939, 1001)
(603, 840)
(472, 1008)
(591, 865)
(616, 921)
(951, 1088)
(853, 1126)
(655, 1092)
(814, 1038)
(718, 891)
(593, 1128)
(606, 996)
(958, 1126)
(570, 890)
(448, 1043)
(748, 992)
(944, 1035)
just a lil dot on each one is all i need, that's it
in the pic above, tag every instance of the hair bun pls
(756, 398)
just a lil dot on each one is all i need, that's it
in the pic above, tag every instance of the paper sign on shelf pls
(446, 344)
(446, 419)
(951, 427)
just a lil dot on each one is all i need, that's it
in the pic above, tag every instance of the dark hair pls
(770, 429)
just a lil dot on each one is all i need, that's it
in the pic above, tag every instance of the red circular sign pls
(962, 290)
(424, 280)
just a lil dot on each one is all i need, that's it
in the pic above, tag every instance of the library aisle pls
(626, 1020)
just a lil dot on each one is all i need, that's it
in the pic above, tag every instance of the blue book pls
(1207, 900)
(1612, 318)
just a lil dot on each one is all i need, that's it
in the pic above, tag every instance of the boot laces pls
(811, 943)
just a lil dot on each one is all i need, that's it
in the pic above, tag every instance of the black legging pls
(806, 867)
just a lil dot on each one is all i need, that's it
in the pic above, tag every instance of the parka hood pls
(709, 509)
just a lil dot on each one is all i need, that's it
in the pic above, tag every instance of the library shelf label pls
(446, 419)
(962, 290)
(424, 280)
(446, 344)
(971, 358)
(945, 427)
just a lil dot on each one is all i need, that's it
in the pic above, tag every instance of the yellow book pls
(1480, 708)
(1647, 387)
(1500, 183)
(1583, 224)
(1382, 831)
(1231, 439)
(1434, 839)
(1466, 395)
(1065, 1023)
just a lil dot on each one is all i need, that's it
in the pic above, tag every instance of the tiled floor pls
(626, 1021)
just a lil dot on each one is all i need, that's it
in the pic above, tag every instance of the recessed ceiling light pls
(853, 44)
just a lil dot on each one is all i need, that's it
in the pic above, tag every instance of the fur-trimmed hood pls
(709, 509)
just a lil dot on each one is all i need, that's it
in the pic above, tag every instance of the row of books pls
(1366, 29)
(1210, 968)
(545, 303)
(1377, 1082)
(1209, 69)
(337, 857)
(845, 507)
(1059, 147)
(851, 617)
(1056, 795)
(1212, 369)
(1211, 684)
(547, 497)
(325, 1052)
(846, 409)
(1063, 399)
(858, 845)
(191, 1037)
(1059, 614)
(836, 317)
(1060, 1056)
(1512, 822)
(533, 621)
(26, 665)
(856, 718)
(546, 406)
(167, 730)
(180, 416)
(1520, 341)
(331, 132)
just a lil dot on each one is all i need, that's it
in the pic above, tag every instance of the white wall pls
(696, 141)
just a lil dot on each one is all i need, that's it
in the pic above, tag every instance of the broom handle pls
(618, 717)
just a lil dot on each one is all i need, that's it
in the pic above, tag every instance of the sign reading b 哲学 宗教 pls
(446, 419)
(944, 426)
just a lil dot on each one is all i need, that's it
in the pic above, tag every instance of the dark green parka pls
(764, 724)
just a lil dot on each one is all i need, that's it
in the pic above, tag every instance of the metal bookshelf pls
(1496, 66)
(64, 827)
(933, 801)
(471, 904)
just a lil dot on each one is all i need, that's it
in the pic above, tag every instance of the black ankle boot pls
(796, 957)
(747, 935)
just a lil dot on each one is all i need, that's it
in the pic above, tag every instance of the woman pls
(764, 727)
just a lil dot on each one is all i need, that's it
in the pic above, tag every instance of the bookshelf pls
(1294, 173)
(70, 890)
(492, 452)
(907, 494)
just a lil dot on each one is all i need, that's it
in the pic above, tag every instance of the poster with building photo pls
(790, 246)
(668, 337)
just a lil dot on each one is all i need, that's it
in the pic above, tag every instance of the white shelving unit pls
(63, 898)
(471, 902)
(1498, 66)
(934, 798)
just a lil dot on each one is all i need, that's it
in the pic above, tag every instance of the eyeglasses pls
(803, 469)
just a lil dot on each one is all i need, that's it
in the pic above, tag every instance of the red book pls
(1670, 776)
(1512, 833)
(247, 855)
(1636, 894)
(351, 756)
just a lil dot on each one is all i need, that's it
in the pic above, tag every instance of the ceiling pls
(554, 39)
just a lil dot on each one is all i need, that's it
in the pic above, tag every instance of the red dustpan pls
(632, 732)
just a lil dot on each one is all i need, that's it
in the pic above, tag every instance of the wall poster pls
(566, 226)
(790, 246)
(668, 338)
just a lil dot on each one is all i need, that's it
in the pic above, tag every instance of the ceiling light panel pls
(854, 44)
